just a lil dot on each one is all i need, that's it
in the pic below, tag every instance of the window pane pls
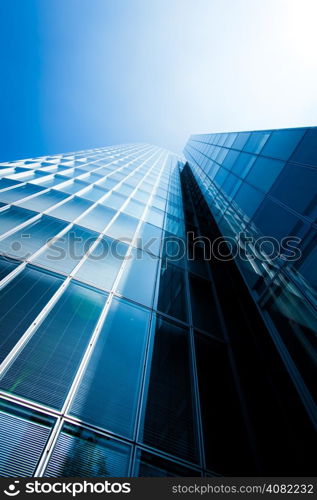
(74, 187)
(65, 253)
(56, 347)
(149, 465)
(94, 194)
(44, 201)
(114, 200)
(13, 217)
(21, 301)
(28, 240)
(72, 209)
(134, 208)
(109, 390)
(138, 280)
(123, 228)
(172, 297)
(204, 310)
(103, 264)
(225, 435)
(6, 266)
(296, 187)
(248, 199)
(18, 193)
(98, 218)
(82, 453)
(282, 143)
(168, 420)
(23, 435)
(149, 238)
(264, 172)
(306, 152)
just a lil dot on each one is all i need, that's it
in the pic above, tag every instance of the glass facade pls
(128, 346)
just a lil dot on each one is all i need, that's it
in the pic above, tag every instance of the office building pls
(132, 343)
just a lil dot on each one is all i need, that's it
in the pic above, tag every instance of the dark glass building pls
(132, 342)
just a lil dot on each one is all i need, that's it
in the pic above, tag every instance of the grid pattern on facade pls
(97, 356)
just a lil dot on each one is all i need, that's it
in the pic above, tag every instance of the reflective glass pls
(149, 465)
(306, 151)
(168, 420)
(109, 391)
(97, 218)
(6, 266)
(23, 436)
(103, 264)
(264, 172)
(44, 201)
(114, 200)
(282, 143)
(296, 187)
(56, 347)
(28, 240)
(123, 228)
(79, 452)
(19, 192)
(65, 253)
(13, 217)
(72, 209)
(21, 300)
(203, 303)
(172, 296)
(138, 279)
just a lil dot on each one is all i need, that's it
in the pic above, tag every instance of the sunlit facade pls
(125, 351)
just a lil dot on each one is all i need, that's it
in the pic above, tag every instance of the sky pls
(79, 74)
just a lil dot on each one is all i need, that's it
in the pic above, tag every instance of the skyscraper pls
(131, 342)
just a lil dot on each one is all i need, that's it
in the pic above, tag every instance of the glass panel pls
(94, 194)
(204, 309)
(155, 216)
(82, 453)
(256, 141)
(6, 266)
(273, 220)
(149, 238)
(296, 187)
(18, 193)
(264, 172)
(134, 208)
(109, 390)
(72, 209)
(103, 264)
(74, 187)
(123, 228)
(23, 436)
(306, 152)
(282, 143)
(224, 428)
(44, 201)
(98, 218)
(56, 347)
(168, 421)
(21, 300)
(13, 217)
(65, 253)
(149, 465)
(114, 200)
(248, 200)
(172, 297)
(28, 240)
(138, 280)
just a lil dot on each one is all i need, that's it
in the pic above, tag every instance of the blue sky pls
(78, 74)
